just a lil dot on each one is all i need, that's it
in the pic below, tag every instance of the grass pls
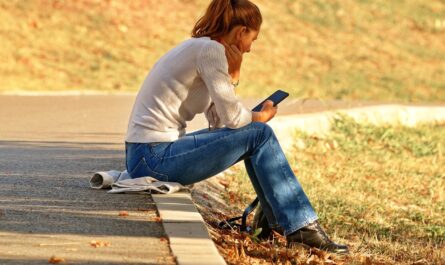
(338, 49)
(380, 189)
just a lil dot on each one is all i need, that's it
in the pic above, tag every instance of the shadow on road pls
(44, 189)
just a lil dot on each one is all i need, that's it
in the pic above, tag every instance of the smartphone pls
(276, 98)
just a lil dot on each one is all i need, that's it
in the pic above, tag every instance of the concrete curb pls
(185, 227)
(188, 236)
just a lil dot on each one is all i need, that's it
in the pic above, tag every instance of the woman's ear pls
(240, 33)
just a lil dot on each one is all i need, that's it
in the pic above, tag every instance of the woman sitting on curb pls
(199, 75)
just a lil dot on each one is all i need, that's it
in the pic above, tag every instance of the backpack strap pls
(231, 222)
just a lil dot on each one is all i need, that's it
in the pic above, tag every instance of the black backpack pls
(259, 221)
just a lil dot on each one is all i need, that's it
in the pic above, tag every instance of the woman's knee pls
(264, 128)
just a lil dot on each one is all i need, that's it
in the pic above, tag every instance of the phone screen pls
(276, 98)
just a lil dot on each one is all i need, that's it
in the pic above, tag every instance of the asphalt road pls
(49, 148)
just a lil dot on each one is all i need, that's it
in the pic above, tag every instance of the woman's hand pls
(234, 59)
(267, 112)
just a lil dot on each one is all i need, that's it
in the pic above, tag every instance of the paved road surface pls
(49, 147)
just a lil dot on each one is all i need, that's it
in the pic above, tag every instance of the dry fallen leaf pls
(420, 262)
(242, 252)
(365, 260)
(56, 260)
(123, 213)
(232, 197)
(279, 237)
(166, 259)
(314, 260)
(225, 183)
(98, 244)
(235, 253)
(323, 255)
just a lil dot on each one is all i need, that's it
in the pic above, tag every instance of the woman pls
(199, 75)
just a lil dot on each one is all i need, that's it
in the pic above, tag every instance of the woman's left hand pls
(234, 59)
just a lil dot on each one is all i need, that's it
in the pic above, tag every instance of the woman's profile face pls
(246, 40)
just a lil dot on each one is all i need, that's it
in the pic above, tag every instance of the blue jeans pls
(202, 154)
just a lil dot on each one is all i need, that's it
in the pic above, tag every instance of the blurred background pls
(326, 49)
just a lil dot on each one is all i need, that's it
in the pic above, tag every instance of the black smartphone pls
(276, 98)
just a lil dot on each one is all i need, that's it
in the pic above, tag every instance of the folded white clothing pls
(104, 179)
(121, 182)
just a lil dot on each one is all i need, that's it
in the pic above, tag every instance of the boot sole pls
(307, 247)
(295, 244)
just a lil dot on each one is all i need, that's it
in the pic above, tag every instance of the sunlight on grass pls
(339, 49)
(379, 188)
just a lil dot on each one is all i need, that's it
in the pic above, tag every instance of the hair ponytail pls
(222, 15)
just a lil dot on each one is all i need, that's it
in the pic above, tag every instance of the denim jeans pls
(202, 154)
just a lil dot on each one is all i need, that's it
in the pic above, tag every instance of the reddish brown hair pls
(223, 15)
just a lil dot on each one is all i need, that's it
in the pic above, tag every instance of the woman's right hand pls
(267, 112)
(234, 59)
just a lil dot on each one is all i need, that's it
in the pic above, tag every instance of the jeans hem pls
(295, 228)
(275, 226)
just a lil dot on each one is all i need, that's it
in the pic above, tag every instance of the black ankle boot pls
(313, 235)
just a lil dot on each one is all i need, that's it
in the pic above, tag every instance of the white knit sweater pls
(183, 83)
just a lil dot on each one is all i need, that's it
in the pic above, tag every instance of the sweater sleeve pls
(213, 69)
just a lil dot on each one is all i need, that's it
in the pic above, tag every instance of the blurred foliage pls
(336, 49)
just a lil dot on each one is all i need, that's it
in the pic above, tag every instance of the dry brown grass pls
(346, 49)
(381, 190)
